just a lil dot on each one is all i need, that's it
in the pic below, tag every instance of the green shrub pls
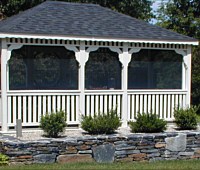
(3, 159)
(186, 118)
(53, 123)
(147, 123)
(105, 123)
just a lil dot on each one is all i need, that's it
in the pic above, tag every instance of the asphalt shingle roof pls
(84, 20)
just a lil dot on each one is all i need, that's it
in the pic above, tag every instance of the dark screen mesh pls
(155, 69)
(43, 67)
(103, 70)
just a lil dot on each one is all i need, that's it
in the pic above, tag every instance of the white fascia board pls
(97, 39)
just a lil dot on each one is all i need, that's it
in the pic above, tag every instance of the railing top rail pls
(102, 92)
(44, 93)
(157, 91)
(93, 92)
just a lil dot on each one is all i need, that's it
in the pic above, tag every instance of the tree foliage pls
(183, 16)
(196, 76)
(136, 8)
(12, 7)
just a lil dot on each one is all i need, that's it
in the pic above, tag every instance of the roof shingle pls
(88, 20)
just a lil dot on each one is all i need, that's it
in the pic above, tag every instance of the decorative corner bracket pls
(71, 48)
(183, 53)
(134, 50)
(12, 47)
(116, 49)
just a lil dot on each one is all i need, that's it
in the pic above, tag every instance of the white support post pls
(186, 73)
(83, 57)
(5, 56)
(4, 114)
(187, 60)
(184, 67)
(125, 58)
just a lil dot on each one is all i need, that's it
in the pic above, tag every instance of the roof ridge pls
(73, 3)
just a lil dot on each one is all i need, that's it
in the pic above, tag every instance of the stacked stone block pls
(104, 148)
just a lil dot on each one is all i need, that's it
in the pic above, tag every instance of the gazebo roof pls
(86, 22)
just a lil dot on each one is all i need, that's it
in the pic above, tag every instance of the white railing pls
(30, 106)
(103, 101)
(160, 102)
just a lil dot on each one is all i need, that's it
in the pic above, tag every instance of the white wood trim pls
(83, 59)
(4, 111)
(9, 110)
(51, 37)
(49, 104)
(92, 48)
(14, 110)
(187, 60)
(125, 58)
(134, 50)
(63, 103)
(184, 66)
(34, 111)
(115, 49)
(78, 58)
(43, 92)
(13, 47)
(71, 48)
(99, 92)
(44, 107)
(98, 44)
(181, 52)
(39, 107)
(92, 105)
(72, 108)
(157, 92)
(184, 69)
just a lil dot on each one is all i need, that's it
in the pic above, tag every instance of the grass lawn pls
(171, 165)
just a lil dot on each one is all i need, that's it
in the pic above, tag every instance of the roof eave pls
(105, 39)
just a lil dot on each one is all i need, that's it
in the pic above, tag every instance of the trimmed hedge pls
(186, 119)
(147, 123)
(101, 123)
(53, 123)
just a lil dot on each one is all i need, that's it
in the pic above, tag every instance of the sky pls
(157, 3)
(155, 6)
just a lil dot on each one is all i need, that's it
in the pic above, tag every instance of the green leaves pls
(147, 123)
(186, 118)
(53, 123)
(12, 7)
(136, 8)
(3, 159)
(181, 16)
(101, 123)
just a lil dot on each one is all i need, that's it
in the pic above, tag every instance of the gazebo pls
(84, 59)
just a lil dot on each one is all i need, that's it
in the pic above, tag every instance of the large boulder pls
(104, 153)
(45, 158)
(176, 144)
(70, 158)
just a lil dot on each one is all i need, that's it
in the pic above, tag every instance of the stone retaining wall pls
(109, 148)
